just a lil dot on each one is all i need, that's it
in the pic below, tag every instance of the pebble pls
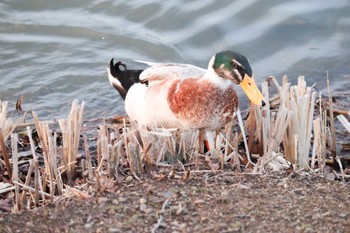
(89, 225)
(199, 201)
(129, 179)
(111, 212)
(143, 201)
(122, 199)
(102, 199)
(114, 230)
(143, 207)
(178, 211)
(30, 224)
(330, 176)
(148, 210)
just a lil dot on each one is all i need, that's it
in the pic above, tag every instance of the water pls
(53, 52)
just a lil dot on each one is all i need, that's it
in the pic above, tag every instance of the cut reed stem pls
(4, 153)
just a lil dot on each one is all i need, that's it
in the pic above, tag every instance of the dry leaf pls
(19, 104)
(186, 176)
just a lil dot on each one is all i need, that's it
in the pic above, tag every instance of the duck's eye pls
(234, 65)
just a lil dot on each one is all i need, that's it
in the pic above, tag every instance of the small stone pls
(242, 186)
(114, 230)
(143, 207)
(330, 176)
(305, 228)
(235, 227)
(111, 212)
(148, 210)
(102, 199)
(30, 224)
(122, 199)
(178, 211)
(129, 179)
(199, 201)
(143, 201)
(89, 225)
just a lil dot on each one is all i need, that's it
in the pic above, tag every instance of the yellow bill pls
(251, 90)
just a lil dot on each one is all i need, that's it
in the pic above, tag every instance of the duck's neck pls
(214, 78)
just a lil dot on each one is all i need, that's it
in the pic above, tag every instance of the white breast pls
(149, 108)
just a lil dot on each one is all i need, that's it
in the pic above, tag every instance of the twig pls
(36, 181)
(4, 154)
(243, 135)
(24, 125)
(341, 168)
(344, 122)
(77, 193)
(88, 157)
(165, 205)
(28, 178)
(5, 190)
(14, 139)
(331, 119)
(31, 189)
(157, 225)
(35, 166)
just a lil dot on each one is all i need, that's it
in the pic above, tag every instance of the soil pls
(199, 202)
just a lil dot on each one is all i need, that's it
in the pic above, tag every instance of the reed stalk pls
(7, 126)
(49, 153)
(4, 153)
(88, 157)
(320, 137)
(291, 125)
(70, 129)
(331, 119)
(14, 146)
(344, 122)
(27, 182)
(35, 167)
(240, 123)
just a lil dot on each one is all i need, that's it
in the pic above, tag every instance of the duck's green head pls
(236, 67)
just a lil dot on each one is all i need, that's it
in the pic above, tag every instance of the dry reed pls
(344, 122)
(282, 134)
(292, 126)
(70, 129)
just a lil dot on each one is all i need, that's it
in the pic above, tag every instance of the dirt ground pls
(203, 202)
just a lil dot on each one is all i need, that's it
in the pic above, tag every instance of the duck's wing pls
(166, 71)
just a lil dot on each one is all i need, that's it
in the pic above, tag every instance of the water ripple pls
(55, 52)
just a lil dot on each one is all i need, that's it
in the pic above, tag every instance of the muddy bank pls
(206, 202)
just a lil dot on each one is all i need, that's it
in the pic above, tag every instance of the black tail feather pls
(126, 77)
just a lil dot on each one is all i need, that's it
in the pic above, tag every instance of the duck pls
(184, 96)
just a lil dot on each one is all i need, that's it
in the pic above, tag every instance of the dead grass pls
(291, 132)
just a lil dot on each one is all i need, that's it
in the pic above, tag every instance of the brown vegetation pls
(48, 164)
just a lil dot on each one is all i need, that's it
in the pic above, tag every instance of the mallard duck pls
(185, 96)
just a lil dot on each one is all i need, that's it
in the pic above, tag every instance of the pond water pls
(53, 52)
